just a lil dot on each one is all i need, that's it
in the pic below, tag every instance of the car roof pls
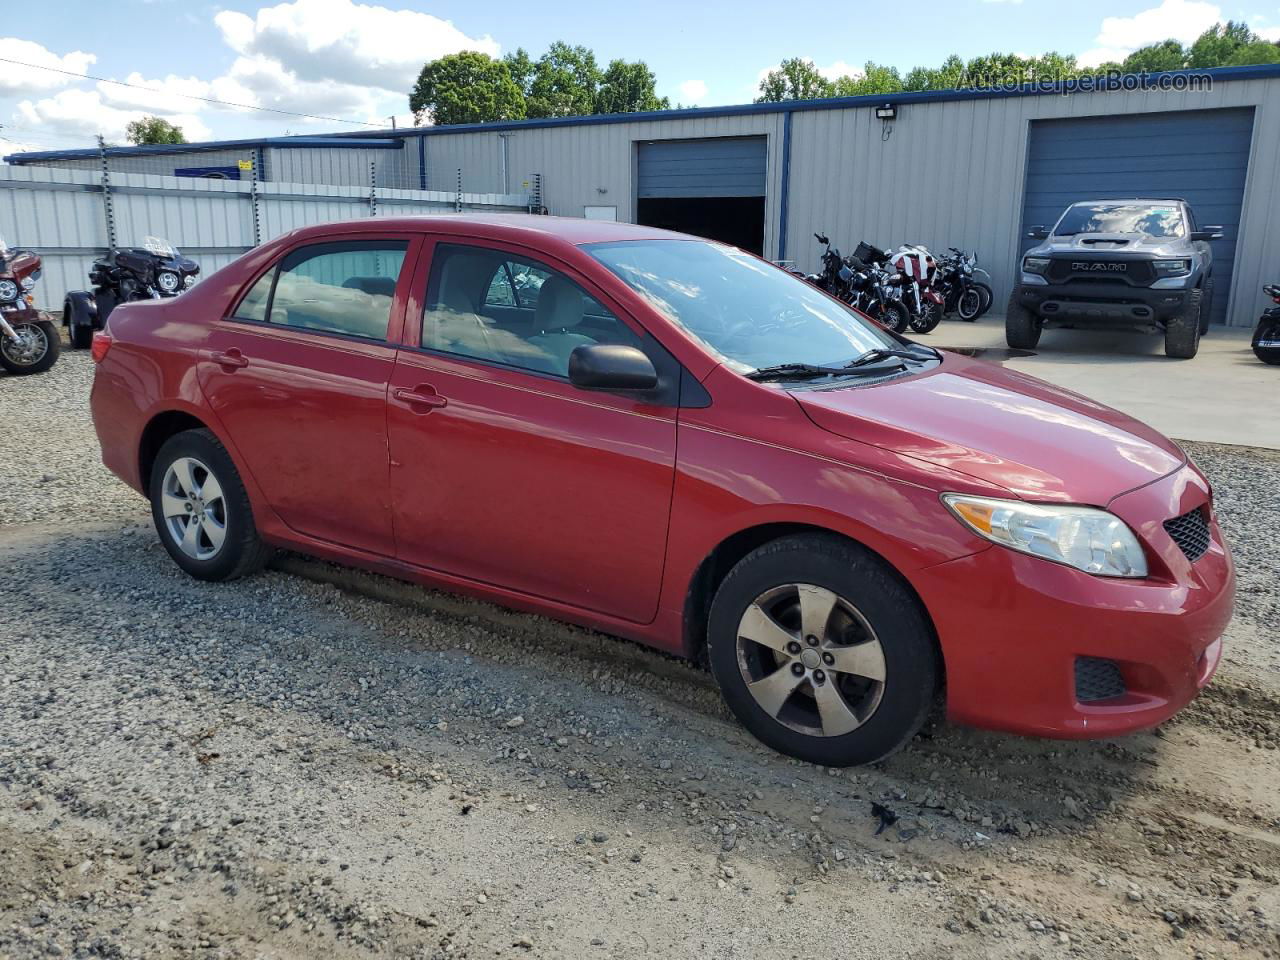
(1079, 203)
(517, 227)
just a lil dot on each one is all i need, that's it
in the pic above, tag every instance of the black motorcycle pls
(153, 271)
(962, 294)
(1266, 335)
(835, 275)
(877, 292)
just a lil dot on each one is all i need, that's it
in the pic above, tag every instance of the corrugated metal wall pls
(59, 213)
(948, 173)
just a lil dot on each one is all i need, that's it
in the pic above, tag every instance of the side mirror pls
(611, 367)
(1038, 233)
(1208, 233)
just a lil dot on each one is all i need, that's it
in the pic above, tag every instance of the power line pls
(189, 96)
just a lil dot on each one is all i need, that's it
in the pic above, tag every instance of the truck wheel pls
(1021, 326)
(1206, 306)
(1182, 333)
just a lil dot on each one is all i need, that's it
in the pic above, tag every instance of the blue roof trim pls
(330, 141)
(393, 139)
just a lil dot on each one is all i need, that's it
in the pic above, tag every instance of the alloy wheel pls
(194, 508)
(811, 660)
(28, 347)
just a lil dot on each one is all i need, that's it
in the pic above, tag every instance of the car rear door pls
(502, 471)
(297, 374)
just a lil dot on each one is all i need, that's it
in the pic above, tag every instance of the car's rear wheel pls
(201, 510)
(1182, 333)
(821, 651)
(1021, 327)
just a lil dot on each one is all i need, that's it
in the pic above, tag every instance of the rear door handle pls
(421, 396)
(232, 358)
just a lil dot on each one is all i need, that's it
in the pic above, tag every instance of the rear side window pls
(345, 288)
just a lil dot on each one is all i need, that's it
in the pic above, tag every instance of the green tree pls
(153, 130)
(521, 67)
(1156, 58)
(946, 77)
(466, 87)
(1215, 46)
(795, 79)
(628, 88)
(564, 82)
(1260, 51)
(876, 78)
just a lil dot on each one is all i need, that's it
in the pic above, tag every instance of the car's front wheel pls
(821, 651)
(1182, 333)
(1021, 327)
(201, 510)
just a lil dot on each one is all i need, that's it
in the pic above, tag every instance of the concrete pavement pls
(1223, 395)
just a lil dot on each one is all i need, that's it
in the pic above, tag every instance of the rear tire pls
(194, 482)
(862, 673)
(987, 296)
(1268, 331)
(80, 336)
(1021, 327)
(1182, 333)
(970, 304)
(1206, 306)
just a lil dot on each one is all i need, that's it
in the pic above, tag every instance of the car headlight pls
(8, 290)
(1171, 268)
(189, 282)
(1086, 538)
(169, 281)
(1037, 265)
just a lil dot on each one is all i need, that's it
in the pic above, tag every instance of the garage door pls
(718, 167)
(1200, 155)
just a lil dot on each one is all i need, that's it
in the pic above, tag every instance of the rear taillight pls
(101, 344)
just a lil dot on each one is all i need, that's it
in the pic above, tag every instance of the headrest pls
(560, 305)
(375, 286)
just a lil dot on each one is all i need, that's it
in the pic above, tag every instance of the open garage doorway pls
(712, 188)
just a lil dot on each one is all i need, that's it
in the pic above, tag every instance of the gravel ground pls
(320, 760)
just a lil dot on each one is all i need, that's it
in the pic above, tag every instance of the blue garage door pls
(1200, 155)
(717, 167)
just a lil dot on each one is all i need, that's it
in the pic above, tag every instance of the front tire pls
(1022, 328)
(895, 316)
(201, 510)
(970, 304)
(1267, 332)
(929, 318)
(34, 350)
(822, 652)
(987, 296)
(1206, 306)
(1182, 333)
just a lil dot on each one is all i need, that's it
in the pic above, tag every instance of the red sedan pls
(671, 440)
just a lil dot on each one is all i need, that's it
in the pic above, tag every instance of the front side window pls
(749, 313)
(345, 288)
(1148, 219)
(492, 306)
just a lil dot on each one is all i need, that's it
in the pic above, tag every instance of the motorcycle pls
(1266, 335)
(961, 293)
(877, 293)
(836, 275)
(28, 342)
(919, 269)
(153, 271)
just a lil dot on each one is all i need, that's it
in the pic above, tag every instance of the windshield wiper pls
(882, 353)
(806, 371)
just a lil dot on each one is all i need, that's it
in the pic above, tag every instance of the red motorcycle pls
(28, 342)
(919, 271)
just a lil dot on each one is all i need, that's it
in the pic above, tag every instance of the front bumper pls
(1012, 626)
(1101, 303)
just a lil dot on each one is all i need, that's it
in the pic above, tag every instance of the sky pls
(350, 64)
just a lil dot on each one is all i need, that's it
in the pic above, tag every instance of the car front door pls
(297, 374)
(505, 473)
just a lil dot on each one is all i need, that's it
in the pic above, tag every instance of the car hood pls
(1036, 440)
(1112, 243)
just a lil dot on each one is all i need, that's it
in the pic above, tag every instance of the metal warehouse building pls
(971, 169)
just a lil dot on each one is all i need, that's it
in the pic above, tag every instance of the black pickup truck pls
(1139, 263)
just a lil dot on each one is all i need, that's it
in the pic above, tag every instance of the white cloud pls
(841, 69)
(1269, 33)
(23, 80)
(692, 91)
(1181, 20)
(84, 114)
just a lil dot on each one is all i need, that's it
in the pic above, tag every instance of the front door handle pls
(232, 358)
(420, 396)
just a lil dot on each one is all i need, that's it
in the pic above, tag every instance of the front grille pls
(1190, 532)
(1097, 679)
(1137, 273)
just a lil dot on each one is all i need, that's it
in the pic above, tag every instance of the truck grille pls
(1097, 679)
(1190, 532)
(1136, 273)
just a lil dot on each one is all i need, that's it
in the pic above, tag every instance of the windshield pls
(1153, 220)
(749, 313)
(159, 246)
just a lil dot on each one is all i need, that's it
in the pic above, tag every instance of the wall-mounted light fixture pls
(887, 112)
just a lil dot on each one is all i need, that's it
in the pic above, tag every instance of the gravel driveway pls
(321, 762)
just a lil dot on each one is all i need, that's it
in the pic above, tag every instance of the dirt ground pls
(320, 762)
